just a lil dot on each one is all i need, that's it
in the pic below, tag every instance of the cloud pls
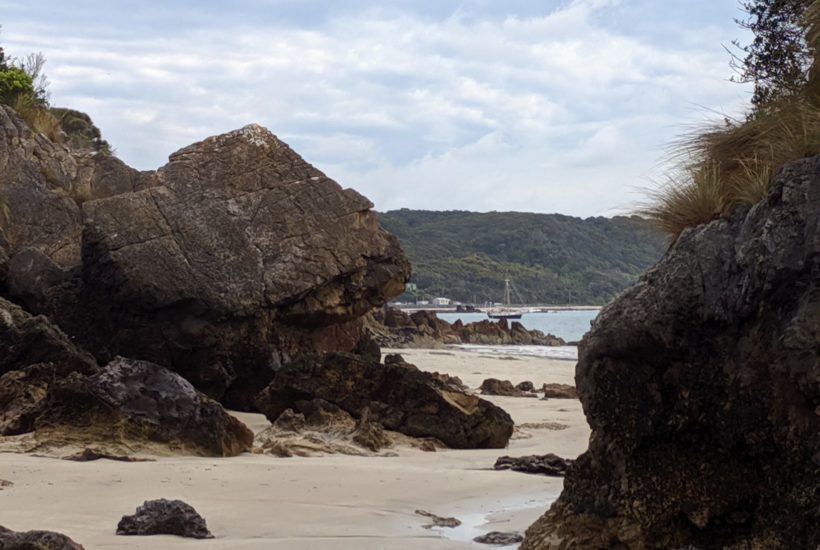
(439, 105)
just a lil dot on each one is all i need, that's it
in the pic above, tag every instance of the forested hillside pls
(550, 258)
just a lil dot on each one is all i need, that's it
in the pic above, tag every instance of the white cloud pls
(553, 112)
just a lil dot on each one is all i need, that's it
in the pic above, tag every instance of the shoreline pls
(262, 502)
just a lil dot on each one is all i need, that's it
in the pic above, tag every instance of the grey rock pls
(548, 464)
(498, 538)
(165, 517)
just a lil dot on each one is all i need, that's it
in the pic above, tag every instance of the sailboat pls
(505, 312)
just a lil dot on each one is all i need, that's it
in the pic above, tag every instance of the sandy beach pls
(261, 502)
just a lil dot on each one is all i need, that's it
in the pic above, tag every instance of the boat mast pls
(506, 292)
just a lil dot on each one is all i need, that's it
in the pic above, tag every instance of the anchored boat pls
(505, 312)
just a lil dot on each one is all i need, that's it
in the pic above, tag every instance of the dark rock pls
(26, 340)
(494, 386)
(89, 455)
(392, 327)
(700, 384)
(165, 517)
(559, 391)
(548, 464)
(525, 386)
(438, 521)
(497, 538)
(35, 540)
(399, 396)
(23, 396)
(135, 403)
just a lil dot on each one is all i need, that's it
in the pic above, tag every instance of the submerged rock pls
(438, 521)
(35, 540)
(548, 464)
(398, 395)
(700, 384)
(165, 517)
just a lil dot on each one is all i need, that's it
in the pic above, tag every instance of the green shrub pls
(15, 82)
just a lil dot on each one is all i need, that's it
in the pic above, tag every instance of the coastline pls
(256, 501)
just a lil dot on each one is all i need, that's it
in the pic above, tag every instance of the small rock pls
(35, 540)
(88, 455)
(497, 538)
(438, 521)
(526, 386)
(4, 484)
(165, 517)
(559, 391)
(548, 464)
(494, 386)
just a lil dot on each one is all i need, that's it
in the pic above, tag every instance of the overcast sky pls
(530, 105)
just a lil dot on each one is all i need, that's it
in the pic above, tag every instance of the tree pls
(778, 59)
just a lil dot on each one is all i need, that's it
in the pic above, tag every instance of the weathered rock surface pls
(398, 395)
(221, 265)
(35, 540)
(701, 385)
(393, 328)
(559, 391)
(547, 465)
(128, 404)
(165, 517)
(525, 386)
(322, 428)
(494, 386)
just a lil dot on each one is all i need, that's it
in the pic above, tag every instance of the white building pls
(441, 301)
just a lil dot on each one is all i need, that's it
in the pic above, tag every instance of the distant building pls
(410, 287)
(441, 301)
(422, 303)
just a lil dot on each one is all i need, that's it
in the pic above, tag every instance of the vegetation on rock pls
(733, 162)
(550, 258)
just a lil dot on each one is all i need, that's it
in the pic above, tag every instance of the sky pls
(564, 106)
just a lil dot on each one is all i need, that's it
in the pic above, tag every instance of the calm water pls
(569, 325)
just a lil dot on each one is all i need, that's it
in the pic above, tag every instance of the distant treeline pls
(550, 258)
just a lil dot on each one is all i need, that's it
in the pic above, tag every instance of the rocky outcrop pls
(35, 540)
(494, 386)
(165, 517)
(322, 428)
(221, 265)
(548, 464)
(393, 328)
(701, 385)
(499, 538)
(398, 395)
(131, 405)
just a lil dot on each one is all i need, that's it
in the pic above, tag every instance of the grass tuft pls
(39, 119)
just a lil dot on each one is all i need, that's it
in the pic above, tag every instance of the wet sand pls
(262, 502)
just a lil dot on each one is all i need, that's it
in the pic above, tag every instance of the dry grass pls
(38, 118)
(722, 166)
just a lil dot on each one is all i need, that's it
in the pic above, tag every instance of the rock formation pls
(165, 517)
(221, 265)
(128, 404)
(393, 328)
(701, 385)
(494, 386)
(559, 391)
(35, 540)
(398, 395)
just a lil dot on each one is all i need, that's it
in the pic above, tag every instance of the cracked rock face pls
(701, 385)
(221, 265)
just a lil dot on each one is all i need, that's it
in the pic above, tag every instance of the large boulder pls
(221, 265)
(701, 385)
(133, 405)
(398, 395)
